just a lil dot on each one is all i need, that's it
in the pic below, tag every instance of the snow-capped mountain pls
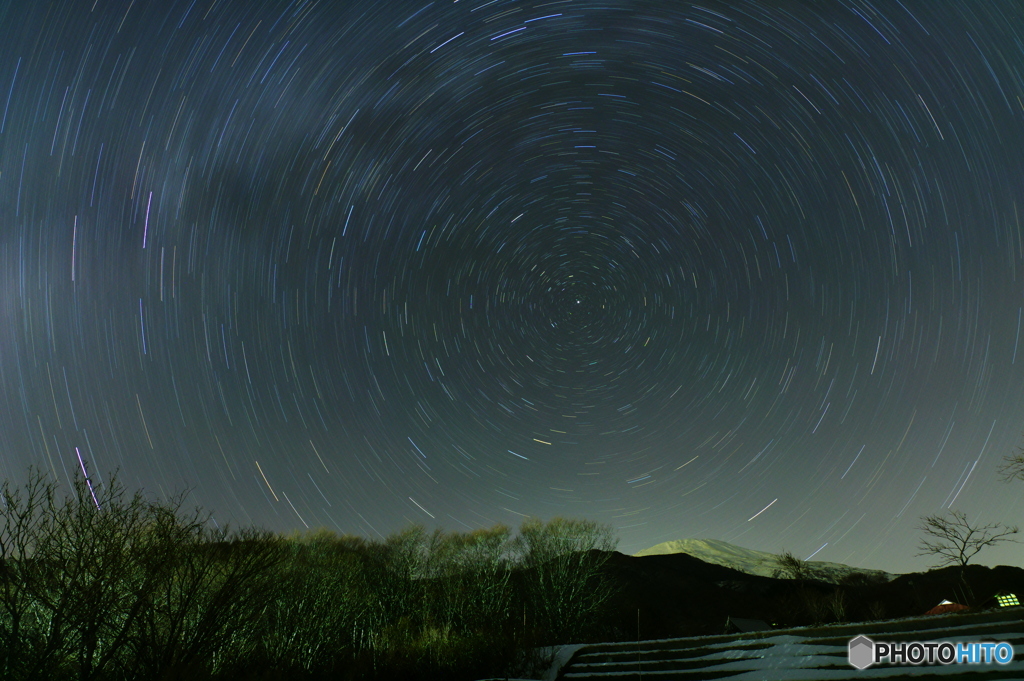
(756, 562)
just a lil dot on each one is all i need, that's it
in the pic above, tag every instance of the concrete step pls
(800, 654)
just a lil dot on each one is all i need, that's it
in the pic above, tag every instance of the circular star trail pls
(739, 270)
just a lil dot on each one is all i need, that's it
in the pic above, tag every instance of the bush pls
(562, 581)
(100, 585)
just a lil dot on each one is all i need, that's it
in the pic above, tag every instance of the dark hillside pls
(679, 595)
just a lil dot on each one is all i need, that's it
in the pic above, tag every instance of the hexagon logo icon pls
(862, 652)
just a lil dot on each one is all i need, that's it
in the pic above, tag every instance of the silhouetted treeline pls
(101, 585)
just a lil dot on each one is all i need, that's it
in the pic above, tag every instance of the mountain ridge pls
(754, 562)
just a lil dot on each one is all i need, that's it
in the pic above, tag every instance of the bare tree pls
(1012, 467)
(565, 586)
(470, 575)
(953, 540)
(788, 566)
(212, 588)
(23, 526)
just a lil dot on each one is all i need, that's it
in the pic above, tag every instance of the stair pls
(804, 654)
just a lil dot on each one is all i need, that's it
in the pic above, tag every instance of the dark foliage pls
(97, 586)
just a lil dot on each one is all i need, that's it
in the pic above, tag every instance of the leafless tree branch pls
(1012, 467)
(953, 540)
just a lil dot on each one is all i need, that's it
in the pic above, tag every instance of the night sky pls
(362, 264)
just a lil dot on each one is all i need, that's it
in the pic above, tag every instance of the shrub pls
(562, 581)
(101, 585)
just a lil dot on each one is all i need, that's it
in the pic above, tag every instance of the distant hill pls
(755, 562)
(677, 594)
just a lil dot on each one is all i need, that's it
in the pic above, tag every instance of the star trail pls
(750, 271)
